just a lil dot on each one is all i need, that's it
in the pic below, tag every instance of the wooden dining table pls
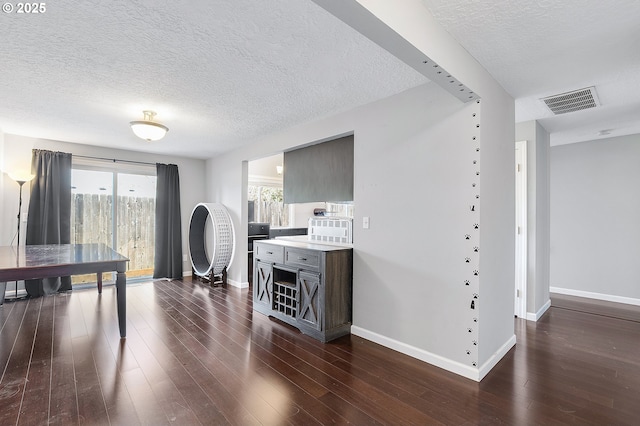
(60, 260)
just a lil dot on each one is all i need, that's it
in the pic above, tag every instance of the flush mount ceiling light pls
(148, 129)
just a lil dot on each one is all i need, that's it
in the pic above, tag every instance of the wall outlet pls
(365, 222)
(184, 258)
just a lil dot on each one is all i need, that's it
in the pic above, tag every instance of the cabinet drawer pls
(303, 259)
(269, 253)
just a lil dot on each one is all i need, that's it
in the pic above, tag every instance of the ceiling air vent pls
(572, 101)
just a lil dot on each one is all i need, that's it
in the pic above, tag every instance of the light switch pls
(365, 222)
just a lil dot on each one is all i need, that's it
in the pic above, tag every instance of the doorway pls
(116, 208)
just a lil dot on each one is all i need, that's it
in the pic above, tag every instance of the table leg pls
(121, 291)
(99, 282)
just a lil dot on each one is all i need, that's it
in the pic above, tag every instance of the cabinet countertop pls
(304, 245)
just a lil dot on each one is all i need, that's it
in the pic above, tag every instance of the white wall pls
(4, 203)
(17, 153)
(413, 177)
(497, 226)
(409, 286)
(538, 216)
(302, 213)
(266, 168)
(493, 331)
(595, 206)
(17, 159)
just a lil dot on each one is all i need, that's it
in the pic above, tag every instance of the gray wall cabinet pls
(305, 285)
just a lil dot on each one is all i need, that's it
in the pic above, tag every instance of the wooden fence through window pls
(92, 222)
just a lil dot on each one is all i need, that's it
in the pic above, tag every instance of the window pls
(268, 205)
(117, 208)
(265, 194)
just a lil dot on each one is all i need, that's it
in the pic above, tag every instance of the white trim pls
(456, 367)
(599, 296)
(536, 316)
(496, 357)
(238, 284)
(260, 180)
(186, 274)
(521, 238)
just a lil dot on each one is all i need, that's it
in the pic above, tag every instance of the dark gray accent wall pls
(322, 172)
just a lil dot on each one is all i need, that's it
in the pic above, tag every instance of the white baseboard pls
(186, 274)
(238, 284)
(598, 296)
(536, 316)
(456, 367)
(496, 357)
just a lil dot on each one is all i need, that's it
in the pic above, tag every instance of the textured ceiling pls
(546, 47)
(218, 73)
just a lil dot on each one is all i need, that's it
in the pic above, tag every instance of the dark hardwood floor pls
(597, 307)
(197, 355)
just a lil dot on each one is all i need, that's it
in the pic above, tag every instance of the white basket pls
(221, 244)
(331, 229)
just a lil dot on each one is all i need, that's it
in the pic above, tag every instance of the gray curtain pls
(168, 246)
(49, 216)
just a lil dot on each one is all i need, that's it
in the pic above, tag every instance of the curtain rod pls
(114, 160)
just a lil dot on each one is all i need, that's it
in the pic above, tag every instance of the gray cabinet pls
(262, 284)
(309, 294)
(306, 285)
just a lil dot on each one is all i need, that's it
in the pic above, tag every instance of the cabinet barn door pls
(309, 303)
(263, 283)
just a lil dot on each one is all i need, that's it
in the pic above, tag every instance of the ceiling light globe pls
(149, 130)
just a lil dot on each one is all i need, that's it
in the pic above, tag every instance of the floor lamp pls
(20, 179)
